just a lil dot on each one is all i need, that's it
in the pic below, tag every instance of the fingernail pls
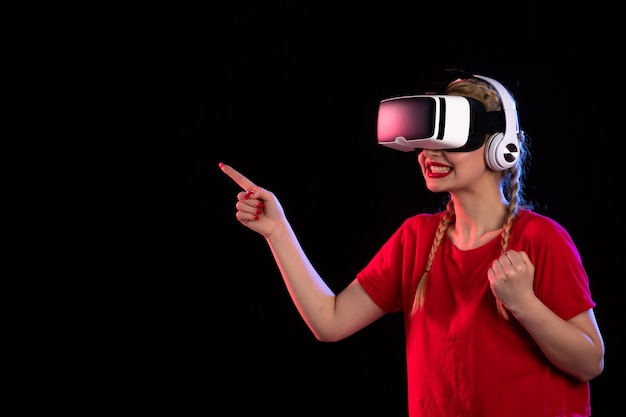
(248, 195)
(259, 211)
(220, 164)
(255, 217)
(260, 205)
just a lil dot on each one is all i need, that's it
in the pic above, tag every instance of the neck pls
(477, 223)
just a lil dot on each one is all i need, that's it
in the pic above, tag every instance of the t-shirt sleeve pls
(381, 277)
(390, 276)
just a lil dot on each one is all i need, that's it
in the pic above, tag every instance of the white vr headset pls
(452, 123)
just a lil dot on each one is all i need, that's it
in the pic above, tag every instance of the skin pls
(575, 346)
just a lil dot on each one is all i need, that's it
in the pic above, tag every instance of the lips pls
(437, 170)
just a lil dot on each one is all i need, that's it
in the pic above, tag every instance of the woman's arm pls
(330, 317)
(575, 346)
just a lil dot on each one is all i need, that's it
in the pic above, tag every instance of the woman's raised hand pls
(257, 208)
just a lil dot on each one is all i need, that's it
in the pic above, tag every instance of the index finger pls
(238, 177)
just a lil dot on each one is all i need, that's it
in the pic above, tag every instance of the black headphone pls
(502, 149)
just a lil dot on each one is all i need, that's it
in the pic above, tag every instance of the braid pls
(512, 181)
(512, 209)
(506, 234)
(446, 220)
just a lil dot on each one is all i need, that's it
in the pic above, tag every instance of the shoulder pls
(537, 229)
(422, 221)
(419, 226)
(533, 222)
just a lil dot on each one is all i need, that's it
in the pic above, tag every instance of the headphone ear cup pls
(501, 153)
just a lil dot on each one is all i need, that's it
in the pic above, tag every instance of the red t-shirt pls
(463, 359)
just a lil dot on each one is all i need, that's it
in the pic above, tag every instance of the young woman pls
(498, 313)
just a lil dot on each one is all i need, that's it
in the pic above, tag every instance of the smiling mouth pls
(435, 170)
(439, 169)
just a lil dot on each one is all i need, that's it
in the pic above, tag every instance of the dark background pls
(288, 95)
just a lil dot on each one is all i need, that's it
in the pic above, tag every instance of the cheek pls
(476, 157)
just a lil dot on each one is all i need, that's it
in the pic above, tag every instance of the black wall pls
(288, 95)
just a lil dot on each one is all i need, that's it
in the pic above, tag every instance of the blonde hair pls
(512, 183)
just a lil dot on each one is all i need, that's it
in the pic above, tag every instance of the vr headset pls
(452, 123)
